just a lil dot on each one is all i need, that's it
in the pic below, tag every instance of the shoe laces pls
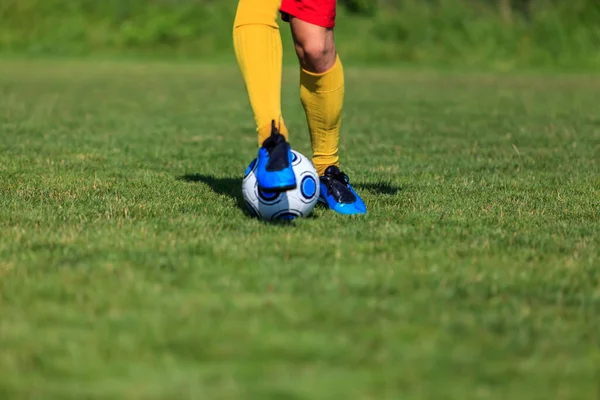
(335, 173)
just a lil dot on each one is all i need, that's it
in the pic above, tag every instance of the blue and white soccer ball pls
(294, 203)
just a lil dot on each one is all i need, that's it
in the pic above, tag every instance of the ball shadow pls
(228, 186)
(232, 187)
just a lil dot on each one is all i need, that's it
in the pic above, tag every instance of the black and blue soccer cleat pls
(274, 171)
(337, 193)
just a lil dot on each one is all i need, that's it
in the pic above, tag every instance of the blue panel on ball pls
(287, 217)
(268, 196)
(308, 188)
(250, 168)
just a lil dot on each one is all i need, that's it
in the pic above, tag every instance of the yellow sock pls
(322, 97)
(258, 51)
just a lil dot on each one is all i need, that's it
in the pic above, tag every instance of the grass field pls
(129, 270)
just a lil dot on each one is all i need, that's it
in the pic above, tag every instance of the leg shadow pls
(231, 187)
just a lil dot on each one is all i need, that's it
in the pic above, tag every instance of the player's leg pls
(322, 96)
(258, 50)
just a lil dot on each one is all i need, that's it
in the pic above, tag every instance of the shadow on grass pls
(378, 187)
(231, 187)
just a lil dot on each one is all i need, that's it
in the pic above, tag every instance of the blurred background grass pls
(497, 34)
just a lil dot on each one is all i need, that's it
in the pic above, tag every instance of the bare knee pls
(315, 46)
(316, 56)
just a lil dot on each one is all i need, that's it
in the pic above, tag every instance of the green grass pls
(128, 269)
(560, 36)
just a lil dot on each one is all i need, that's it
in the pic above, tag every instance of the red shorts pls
(317, 12)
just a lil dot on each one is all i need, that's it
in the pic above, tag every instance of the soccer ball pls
(287, 205)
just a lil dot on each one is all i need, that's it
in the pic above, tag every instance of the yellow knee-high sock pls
(322, 97)
(258, 51)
